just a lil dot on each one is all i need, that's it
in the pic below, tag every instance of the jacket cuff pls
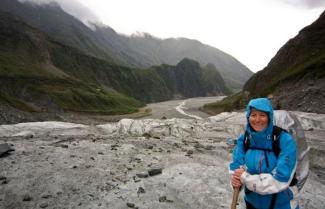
(243, 176)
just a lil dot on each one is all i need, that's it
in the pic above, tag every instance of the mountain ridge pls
(39, 74)
(294, 78)
(156, 51)
(105, 43)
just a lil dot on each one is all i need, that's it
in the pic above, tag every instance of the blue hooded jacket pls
(262, 179)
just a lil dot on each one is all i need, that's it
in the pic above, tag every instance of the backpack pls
(288, 122)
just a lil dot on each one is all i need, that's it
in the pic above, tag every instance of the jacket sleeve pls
(280, 178)
(238, 155)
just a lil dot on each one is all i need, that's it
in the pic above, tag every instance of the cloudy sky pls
(250, 30)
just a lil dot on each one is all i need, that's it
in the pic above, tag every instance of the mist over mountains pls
(72, 7)
(51, 62)
(134, 51)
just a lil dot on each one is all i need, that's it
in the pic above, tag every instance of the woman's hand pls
(235, 178)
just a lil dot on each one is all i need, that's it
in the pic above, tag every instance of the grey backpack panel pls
(289, 122)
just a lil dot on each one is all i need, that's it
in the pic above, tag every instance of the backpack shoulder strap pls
(246, 142)
(276, 140)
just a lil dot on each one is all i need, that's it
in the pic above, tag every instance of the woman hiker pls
(264, 169)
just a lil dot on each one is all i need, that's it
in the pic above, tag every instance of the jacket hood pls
(261, 104)
(264, 105)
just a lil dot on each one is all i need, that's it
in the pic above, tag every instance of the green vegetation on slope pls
(312, 69)
(228, 104)
(30, 82)
(50, 94)
(38, 73)
(154, 84)
(83, 98)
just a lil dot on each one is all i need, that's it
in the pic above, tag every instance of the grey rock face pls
(5, 149)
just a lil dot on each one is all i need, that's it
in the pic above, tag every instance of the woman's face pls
(258, 120)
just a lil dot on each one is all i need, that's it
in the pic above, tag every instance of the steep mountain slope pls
(170, 51)
(105, 43)
(189, 79)
(38, 74)
(149, 50)
(158, 83)
(296, 75)
(61, 27)
(294, 78)
(29, 81)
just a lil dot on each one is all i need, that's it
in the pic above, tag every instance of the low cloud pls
(72, 7)
(309, 4)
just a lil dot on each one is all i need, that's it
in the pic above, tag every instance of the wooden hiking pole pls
(235, 197)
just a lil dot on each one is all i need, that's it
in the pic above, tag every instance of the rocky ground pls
(10, 115)
(149, 163)
(306, 95)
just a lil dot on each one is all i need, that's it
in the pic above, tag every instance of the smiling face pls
(258, 120)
